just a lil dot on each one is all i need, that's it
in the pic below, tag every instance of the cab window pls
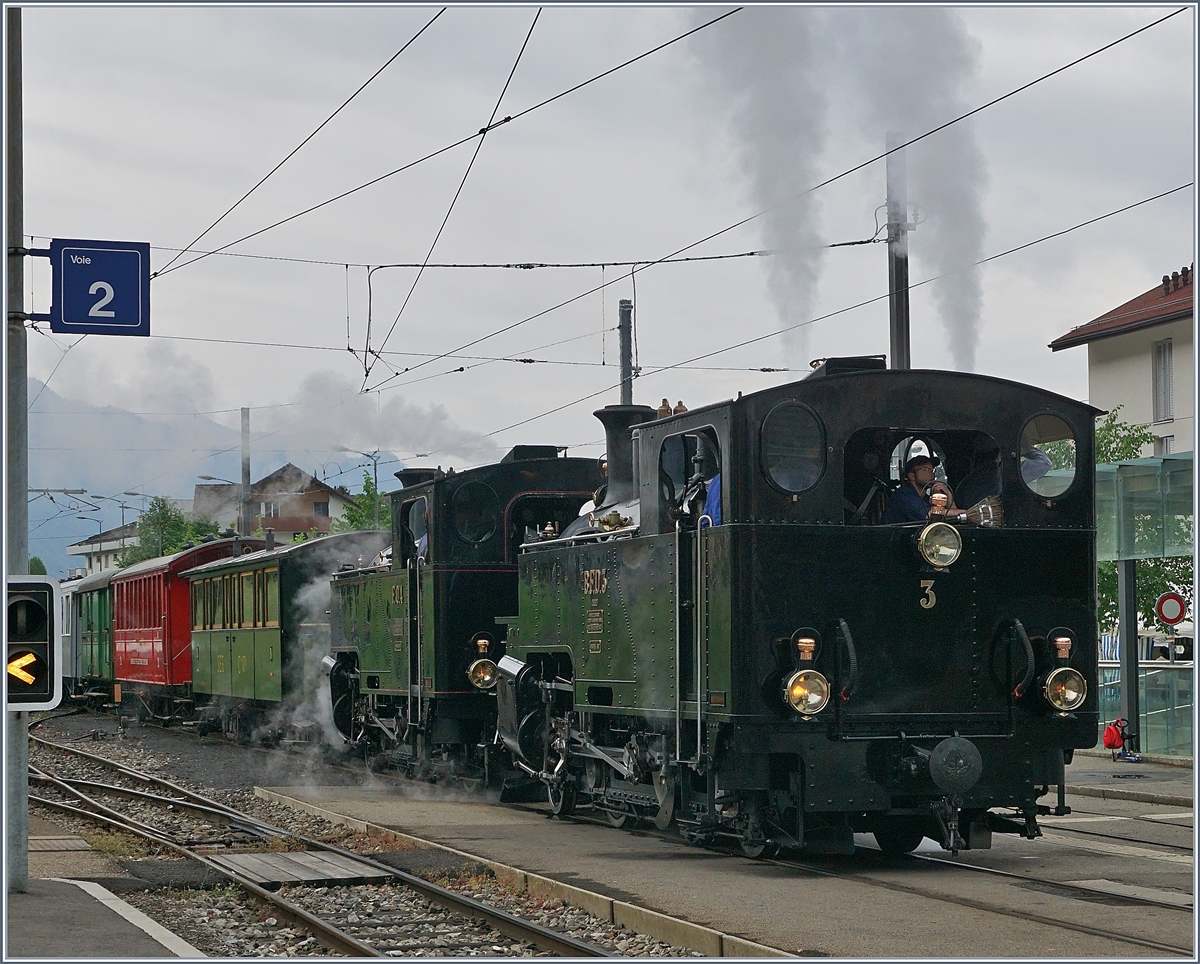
(689, 481)
(414, 529)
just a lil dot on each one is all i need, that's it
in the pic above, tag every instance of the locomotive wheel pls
(898, 838)
(757, 847)
(615, 819)
(562, 800)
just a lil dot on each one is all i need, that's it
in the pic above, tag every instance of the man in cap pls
(909, 502)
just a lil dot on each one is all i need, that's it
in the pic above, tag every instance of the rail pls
(509, 925)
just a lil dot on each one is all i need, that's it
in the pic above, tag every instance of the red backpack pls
(1114, 735)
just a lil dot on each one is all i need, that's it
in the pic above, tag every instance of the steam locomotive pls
(727, 638)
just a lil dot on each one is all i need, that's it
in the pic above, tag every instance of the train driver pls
(909, 502)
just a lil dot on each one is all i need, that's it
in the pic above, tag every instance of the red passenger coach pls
(152, 629)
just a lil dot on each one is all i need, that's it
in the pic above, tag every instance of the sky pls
(147, 124)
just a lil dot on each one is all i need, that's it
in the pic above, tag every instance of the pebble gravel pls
(224, 922)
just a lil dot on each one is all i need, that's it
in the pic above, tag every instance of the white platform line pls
(172, 942)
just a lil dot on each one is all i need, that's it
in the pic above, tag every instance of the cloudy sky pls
(147, 124)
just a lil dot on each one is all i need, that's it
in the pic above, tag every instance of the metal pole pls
(625, 331)
(375, 466)
(244, 508)
(17, 562)
(1127, 621)
(897, 228)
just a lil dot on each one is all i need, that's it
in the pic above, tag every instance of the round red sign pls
(1171, 608)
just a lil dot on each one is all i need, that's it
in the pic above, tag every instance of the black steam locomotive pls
(735, 641)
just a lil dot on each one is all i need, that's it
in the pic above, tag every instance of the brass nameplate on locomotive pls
(595, 581)
(595, 621)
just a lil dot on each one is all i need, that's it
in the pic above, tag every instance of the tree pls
(36, 566)
(162, 529)
(362, 515)
(1118, 441)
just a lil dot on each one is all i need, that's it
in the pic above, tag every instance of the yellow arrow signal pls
(17, 667)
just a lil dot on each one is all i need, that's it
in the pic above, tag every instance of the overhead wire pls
(367, 351)
(848, 308)
(846, 173)
(297, 148)
(457, 143)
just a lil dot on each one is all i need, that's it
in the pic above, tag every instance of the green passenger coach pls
(260, 627)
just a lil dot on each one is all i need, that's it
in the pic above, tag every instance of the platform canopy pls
(1144, 508)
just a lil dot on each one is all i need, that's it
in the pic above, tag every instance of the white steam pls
(793, 78)
(328, 411)
(763, 65)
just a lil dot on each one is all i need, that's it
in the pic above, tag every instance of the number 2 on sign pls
(97, 309)
(929, 600)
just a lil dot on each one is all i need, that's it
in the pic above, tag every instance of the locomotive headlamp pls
(807, 692)
(483, 674)
(939, 544)
(1065, 689)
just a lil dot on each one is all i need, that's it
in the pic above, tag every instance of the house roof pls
(1170, 300)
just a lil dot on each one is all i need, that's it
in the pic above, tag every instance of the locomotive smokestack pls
(617, 420)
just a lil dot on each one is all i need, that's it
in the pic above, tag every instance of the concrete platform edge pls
(1160, 759)
(1136, 796)
(171, 941)
(651, 923)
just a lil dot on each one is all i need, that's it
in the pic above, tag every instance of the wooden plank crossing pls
(44, 843)
(321, 868)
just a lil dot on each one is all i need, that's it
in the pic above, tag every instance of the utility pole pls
(244, 511)
(625, 332)
(897, 236)
(17, 563)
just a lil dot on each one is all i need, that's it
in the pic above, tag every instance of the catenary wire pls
(849, 308)
(815, 187)
(367, 351)
(297, 148)
(458, 143)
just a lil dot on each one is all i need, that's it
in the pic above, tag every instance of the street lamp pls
(124, 506)
(244, 507)
(100, 523)
(374, 457)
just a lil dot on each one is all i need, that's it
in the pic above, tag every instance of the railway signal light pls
(34, 644)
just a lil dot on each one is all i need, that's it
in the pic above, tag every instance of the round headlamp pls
(1065, 689)
(939, 544)
(806, 692)
(483, 674)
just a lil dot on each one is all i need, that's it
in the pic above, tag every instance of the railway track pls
(991, 902)
(996, 908)
(247, 829)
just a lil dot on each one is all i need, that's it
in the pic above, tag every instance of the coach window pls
(272, 592)
(247, 599)
(1047, 455)
(688, 466)
(793, 447)
(197, 605)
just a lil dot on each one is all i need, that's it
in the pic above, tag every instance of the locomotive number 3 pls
(595, 581)
(929, 600)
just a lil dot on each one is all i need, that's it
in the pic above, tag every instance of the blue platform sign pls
(100, 287)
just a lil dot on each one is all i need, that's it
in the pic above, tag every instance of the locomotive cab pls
(761, 658)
